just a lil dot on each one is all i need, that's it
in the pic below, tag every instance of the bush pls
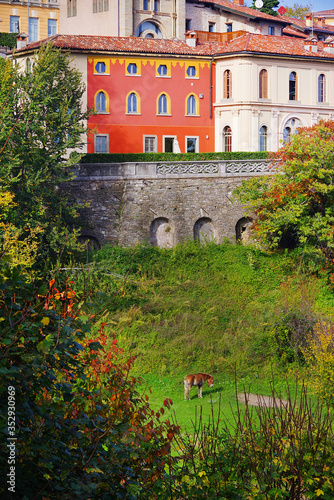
(155, 157)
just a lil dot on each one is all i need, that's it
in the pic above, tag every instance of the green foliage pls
(203, 307)
(268, 7)
(275, 451)
(8, 40)
(40, 121)
(154, 157)
(82, 428)
(298, 11)
(295, 206)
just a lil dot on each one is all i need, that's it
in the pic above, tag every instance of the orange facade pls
(150, 103)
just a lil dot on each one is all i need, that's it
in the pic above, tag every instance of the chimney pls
(311, 44)
(191, 38)
(308, 19)
(329, 45)
(322, 21)
(21, 40)
(239, 2)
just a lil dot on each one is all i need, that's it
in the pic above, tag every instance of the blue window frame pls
(132, 103)
(145, 4)
(101, 103)
(33, 29)
(163, 105)
(162, 70)
(100, 67)
(14, 24)
(191, 105)
(132, 69)
(191, 71)
(52, 27)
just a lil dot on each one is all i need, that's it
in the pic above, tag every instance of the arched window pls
(263, 84)
(263, 138)
(286, 134)
(227, 138)
(291, 127)
(293, 86)
(163, 105)
(321, 88)
(227, 84)
(148, 28)
(133, 103)
(101, 102)
(191, 105)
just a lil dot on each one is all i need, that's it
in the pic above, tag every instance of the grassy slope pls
(210, 309)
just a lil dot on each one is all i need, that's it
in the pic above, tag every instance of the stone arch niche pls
(204, 230)
(162, 233)
(91, 242)
(243, 229)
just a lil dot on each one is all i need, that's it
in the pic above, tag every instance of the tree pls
(41, 120)
(298, 11)
(267, 7)
(295, 205)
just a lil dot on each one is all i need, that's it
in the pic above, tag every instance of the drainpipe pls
(211, 87)
(28, 21)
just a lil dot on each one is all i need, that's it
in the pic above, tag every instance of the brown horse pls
(199, 380)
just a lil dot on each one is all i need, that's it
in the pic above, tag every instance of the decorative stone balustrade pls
(170, 169)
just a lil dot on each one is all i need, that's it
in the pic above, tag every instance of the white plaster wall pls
(88, 23)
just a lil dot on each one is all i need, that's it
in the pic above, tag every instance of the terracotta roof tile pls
(250, 42)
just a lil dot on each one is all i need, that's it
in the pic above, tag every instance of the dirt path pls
(258, 400)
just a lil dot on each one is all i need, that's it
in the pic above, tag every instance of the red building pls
(150, 95)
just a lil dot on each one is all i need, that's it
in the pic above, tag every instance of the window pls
(156, 5)
(101, 144)
(150, 28)
(101, 102)
(132, 69)
(71, 8)
(191, 105)
(14, 24)
(150, 143)
(228, 27)
(145, 4)
(168, 143)
(33, 29)
(163, 105)
(162, 70)
(227, 84)
(52, 27)
(28, 65)
(271, 30)
(263, 138)
(293, 86)
(321, 88)
(286, 134)
(192, 144)
(100, 67)
(188, 24)
(133, 103)
(212, 27)
(263, 84)
(191, 71)
(100, 6)
(291, 127)
(227, 138)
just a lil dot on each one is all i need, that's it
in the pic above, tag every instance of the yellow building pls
(43, 17)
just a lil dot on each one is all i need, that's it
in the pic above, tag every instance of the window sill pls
(101, 74)
(133, 114)
(163, 76)
(321, 103)
(292, 101)
(192, 77)
(163, 114)
(193, 116)
(130, 74)
(102, 113)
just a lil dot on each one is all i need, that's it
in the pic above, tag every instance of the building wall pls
(87, 22)
(42, 10)
(245, 112)
(126, 131)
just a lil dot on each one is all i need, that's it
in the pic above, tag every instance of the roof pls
(301, 25)
(324, 13)
(91, 43)
(247, 43)
(242, 9)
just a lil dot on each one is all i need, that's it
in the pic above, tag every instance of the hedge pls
(155, 157)
(8, 40)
